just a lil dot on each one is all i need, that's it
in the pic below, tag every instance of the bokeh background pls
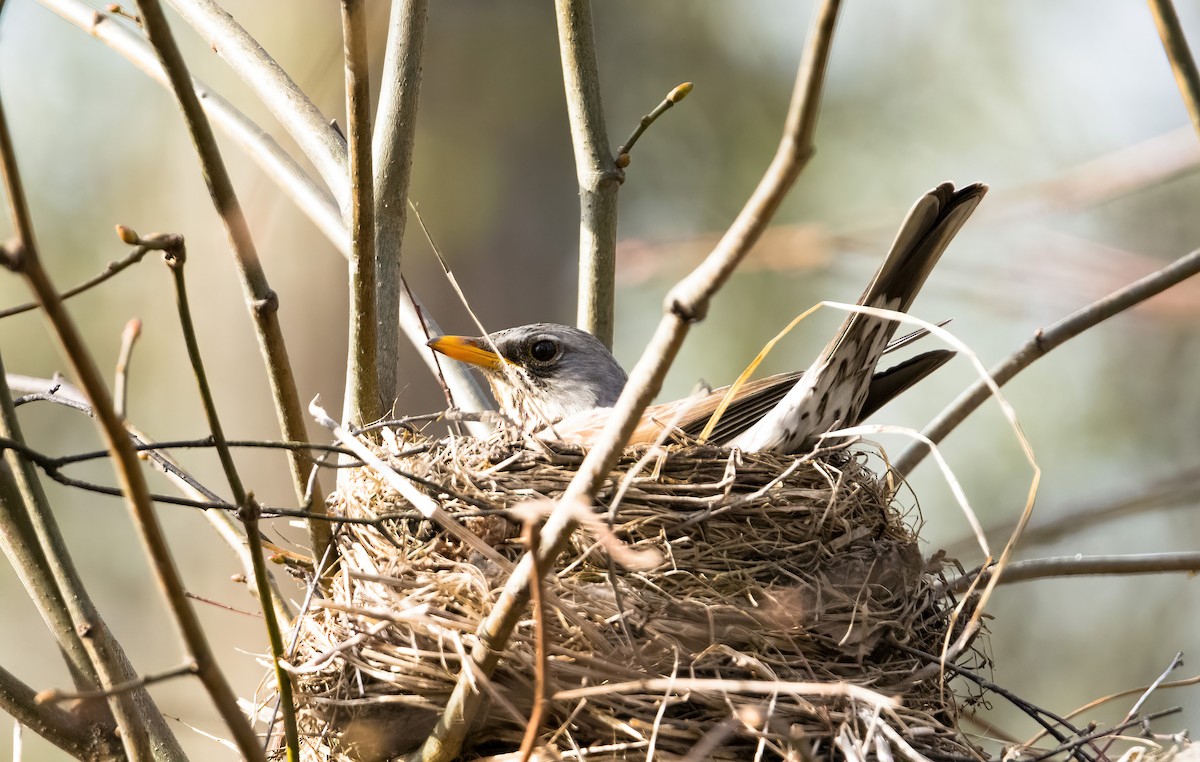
(1068, 110)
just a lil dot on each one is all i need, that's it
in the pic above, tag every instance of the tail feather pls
(834, 390)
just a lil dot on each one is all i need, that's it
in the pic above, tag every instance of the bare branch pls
(1182, 63)
(1042, 342)
(392, 146)
(132, 258)
(311, 130)
(58, 726)
(1083, 566)
(687, 303)
(248, 509)
(362, 404)
(314, 201)
(144, 733)
(599, 177)
(261, 299)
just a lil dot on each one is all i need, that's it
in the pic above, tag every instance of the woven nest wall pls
(771, 570)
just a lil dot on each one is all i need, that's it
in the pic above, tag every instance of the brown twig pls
(261, 299)
(129, 337)
(362, 403)
(295, 111)
(1182, 64)
(392, 146)
(1042, 342)
(304, 122)
(1083, 566)
(54, 695)
(248, 509)
(599, 176)
(23, 259)
(685, 304)
(1049, 721)
(112, 269)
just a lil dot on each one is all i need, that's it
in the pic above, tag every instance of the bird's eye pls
(544, 350)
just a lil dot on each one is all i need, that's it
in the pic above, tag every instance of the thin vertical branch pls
(23, 258)
(599, 177)
(261, 299)
(362, 403)
(685, 304)
(248, 512)
(392, 146)
(1182, 63)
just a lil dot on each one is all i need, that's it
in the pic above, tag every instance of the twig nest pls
(768, 571)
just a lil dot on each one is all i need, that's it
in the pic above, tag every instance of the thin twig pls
(1185, 683)
(261, 299)
(248, 509)
(1090, 737)
(54, 695)
(129, 337)
(1042, 342)
(392, 148)
(599, 177)
(304, 122)
(687, 303)
(312, 200)
(112, 269)
(23, 259)
(1182, 64)
(1047, 719)
(362, 404)
(1150, 689)
(675, 96)
(1083, 566)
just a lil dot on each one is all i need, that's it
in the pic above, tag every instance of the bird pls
(560, 382)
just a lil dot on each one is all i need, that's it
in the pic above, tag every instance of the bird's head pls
(560, 369)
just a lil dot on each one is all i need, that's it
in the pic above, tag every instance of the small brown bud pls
(128, 235)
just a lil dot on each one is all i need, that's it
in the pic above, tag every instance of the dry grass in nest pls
(771, 571)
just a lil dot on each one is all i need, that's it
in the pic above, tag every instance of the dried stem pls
(261, 299)
(686, 303)
(24, 260)
(392, 146)
(599, 177)
(1042, 342)
(248, 510)
(1182, 63)
(362, 402)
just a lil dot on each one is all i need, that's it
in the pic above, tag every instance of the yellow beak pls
(468, 350)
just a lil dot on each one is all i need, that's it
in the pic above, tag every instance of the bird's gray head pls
(560, 369)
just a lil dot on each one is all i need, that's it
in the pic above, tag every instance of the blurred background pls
(1068, 110)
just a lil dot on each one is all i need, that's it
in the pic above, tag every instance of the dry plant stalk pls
(774, 571)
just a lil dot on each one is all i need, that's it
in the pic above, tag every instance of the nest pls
(771, 570)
